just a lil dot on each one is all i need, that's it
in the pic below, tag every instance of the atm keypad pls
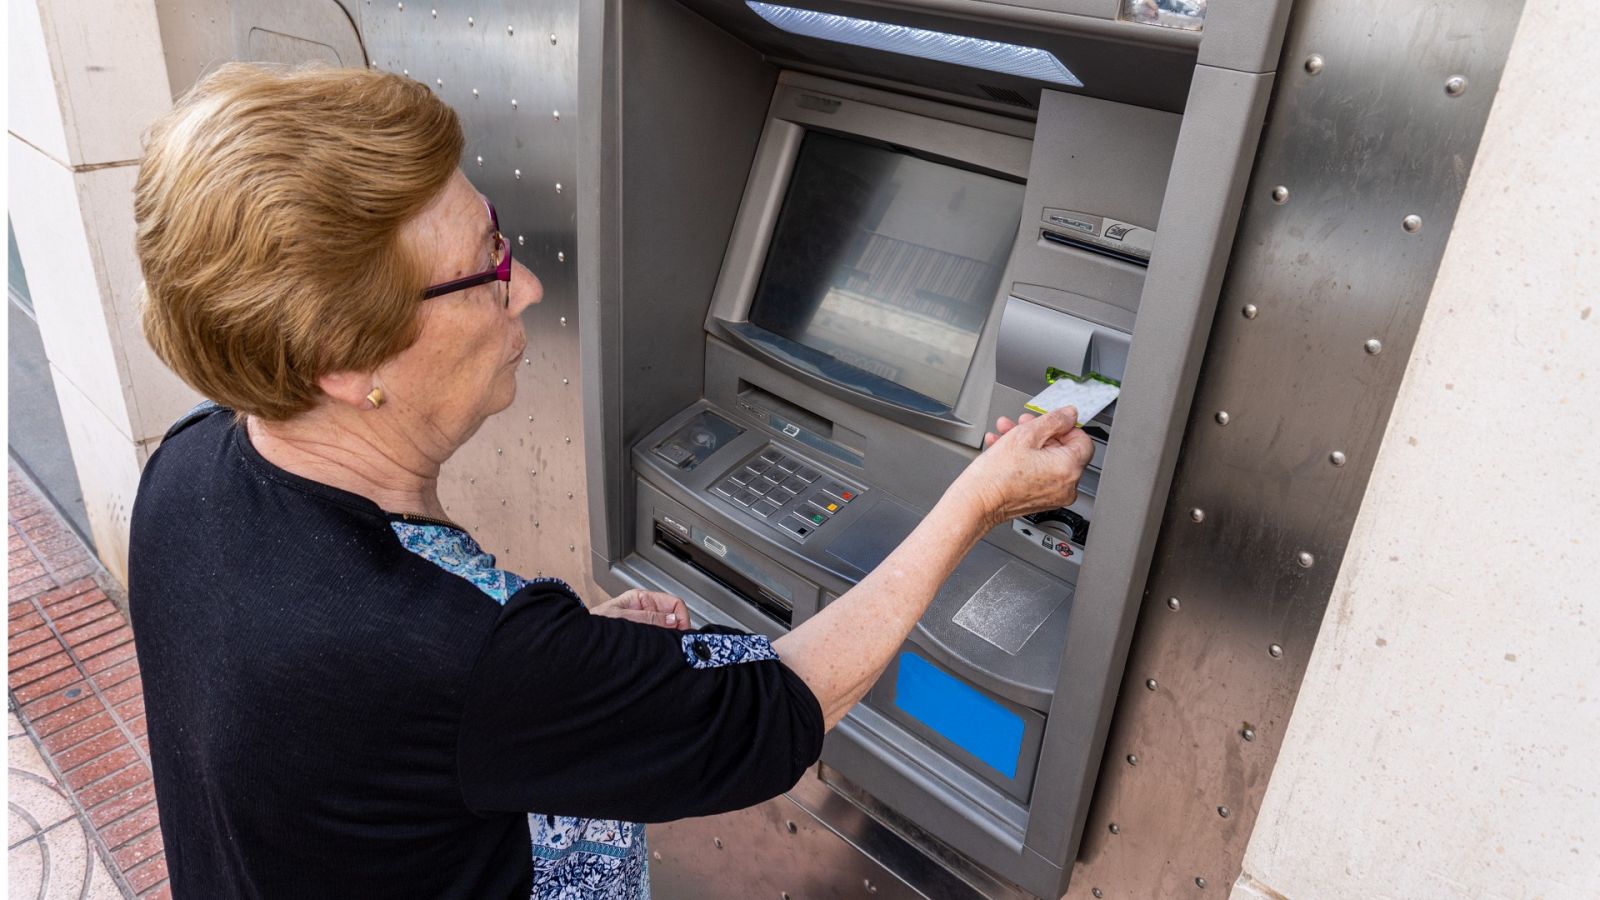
(785, 492)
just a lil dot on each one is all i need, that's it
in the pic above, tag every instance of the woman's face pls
(463, 367)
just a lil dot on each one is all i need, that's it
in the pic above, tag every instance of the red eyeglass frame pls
(501, 272)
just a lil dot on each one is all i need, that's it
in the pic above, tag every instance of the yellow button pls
(833, 507)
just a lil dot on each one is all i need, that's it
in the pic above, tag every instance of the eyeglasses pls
(500, 272)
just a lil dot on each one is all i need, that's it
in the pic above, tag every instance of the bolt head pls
(521, 241)
(1224, 812)
(1250, 311)
(517, 173)
(510, 30)
(1455, 86)
(558, 187)
(1197, 514)
(513, 103)
(1275, 651)
(1133, 759)
(1314, 63)
(1150, 684)
(470, 23)
(1373, 346)
(1412, 223)
(1306, 560)
(1173, 603)
(1222, 417)
(1248, 733)
(561, 256)
(1280, 195)
(1114, 828)
(1337, 457)
(480, 162)
(552, 37)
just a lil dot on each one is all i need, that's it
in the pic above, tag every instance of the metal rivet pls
(1114, 828)
(1305, 559)
(793, 828)
(472, 481)
(563, 321)
(474, 93)
(572, 548)
(561, 256)
(510, 30)
(1097, 892)
(1224, 812)
(564, 381)
(1455, 86)
(1133, 759)
(1222, 417)
(527, 361)
(536, 525)
(1199, 882)
(513, 103)
(1412, 223)
(1280, 195)
(521, 241)
(1197, 514)
(533, 471)
(1150, 684)
(552, 37)
(405, 71)
(435, 13)
(498, 451)
(657, 855)
(439, 82)
(718, 842)
(401, 6)
(1250, 311)
(1373, 346)
(480, 162)
(558, 187)
(557, 114)
(470, 23)
(1173, 603)
(783, 895)
(569, 495)
(503, 503)
(867, 883)
(568, 440)
(1314, 63)
(517, 173)
(1248, 733)
(1336, 457)
(1275, 651)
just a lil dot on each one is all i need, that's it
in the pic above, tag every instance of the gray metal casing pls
(654, 268)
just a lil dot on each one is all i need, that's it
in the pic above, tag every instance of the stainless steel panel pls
(1362, 133)
(510, 71)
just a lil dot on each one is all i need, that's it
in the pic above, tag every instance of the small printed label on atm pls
(675, 525)
(714, 545)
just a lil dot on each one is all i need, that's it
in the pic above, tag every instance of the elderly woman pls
(346, 697)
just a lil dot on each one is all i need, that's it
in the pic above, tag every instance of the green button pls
(817, 518)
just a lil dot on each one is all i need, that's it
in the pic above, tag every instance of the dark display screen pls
(887, 262)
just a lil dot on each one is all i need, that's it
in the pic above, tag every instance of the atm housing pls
(814, 275)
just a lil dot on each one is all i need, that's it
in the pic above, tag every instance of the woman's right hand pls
(1031, 465)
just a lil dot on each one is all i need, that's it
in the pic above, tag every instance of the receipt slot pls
(815, 266)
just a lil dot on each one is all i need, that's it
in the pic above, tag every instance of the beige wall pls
(85, 77)
(1443, 743)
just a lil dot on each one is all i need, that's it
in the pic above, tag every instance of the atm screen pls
(887, 262)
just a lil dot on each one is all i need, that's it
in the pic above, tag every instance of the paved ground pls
(82, 806)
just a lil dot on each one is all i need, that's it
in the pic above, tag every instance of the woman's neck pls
(336, 449)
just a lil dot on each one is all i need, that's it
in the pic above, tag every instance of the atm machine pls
(822, 248)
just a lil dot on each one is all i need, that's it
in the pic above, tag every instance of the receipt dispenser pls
(812, 275)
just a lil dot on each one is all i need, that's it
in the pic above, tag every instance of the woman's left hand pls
(649, 607)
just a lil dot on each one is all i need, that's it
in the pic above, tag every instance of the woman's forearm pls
(840, 652)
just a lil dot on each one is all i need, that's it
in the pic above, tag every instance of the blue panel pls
(959, 713)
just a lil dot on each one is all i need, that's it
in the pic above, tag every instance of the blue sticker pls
(959, 713)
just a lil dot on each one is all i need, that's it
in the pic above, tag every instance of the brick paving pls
(74, 684)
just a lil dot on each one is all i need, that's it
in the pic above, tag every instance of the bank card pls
(1090, 393)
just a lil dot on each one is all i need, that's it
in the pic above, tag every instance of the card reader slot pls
(1051, 237)
(709, 565)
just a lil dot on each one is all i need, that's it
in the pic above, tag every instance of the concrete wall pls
(85, 77)
(1443, 741)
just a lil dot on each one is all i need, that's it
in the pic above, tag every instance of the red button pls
(846, 496)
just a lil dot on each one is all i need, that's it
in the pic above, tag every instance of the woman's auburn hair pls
(271, 206)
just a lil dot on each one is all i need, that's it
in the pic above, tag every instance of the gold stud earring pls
(376, 397)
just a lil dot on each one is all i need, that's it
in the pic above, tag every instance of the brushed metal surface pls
(509, 69)
(1368, 138)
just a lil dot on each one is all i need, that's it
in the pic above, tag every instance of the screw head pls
(1275, 651)
(1133, 759)
(1412, 223)
(1114, 828)
(1173, 603)
(1222, 417)
(1150, 684)
(1373, 346)
(1455, 85)
(1280, 195)
(1336, 457)
(1306, 560)
(1249, 311)
(1224, 812)
(1248, 733)
(1197, 514)
(1314, 63)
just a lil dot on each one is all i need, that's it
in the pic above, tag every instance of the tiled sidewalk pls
(77, 751)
